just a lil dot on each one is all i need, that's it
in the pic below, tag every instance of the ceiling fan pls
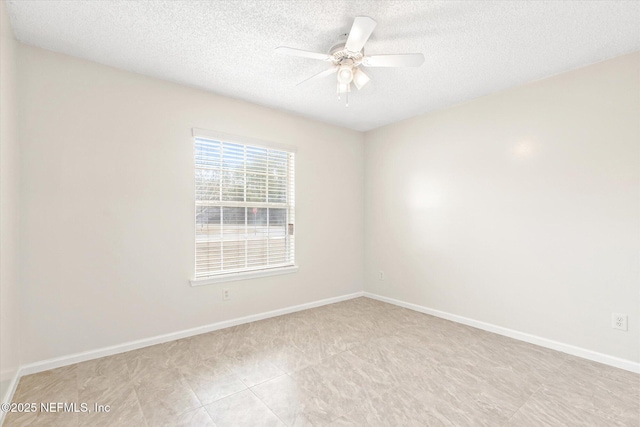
(347, 56)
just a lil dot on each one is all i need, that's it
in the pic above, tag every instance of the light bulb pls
(345, 74)
(360, 79)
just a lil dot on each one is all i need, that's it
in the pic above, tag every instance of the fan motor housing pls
(339, 52)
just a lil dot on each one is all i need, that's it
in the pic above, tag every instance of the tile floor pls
(358, 362)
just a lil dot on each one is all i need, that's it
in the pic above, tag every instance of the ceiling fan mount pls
(339, 52)
(347, 55)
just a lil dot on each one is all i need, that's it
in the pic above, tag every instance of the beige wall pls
(108, 191)
(9, 163)
(520, 209)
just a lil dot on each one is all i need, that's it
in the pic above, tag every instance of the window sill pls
(243, 275)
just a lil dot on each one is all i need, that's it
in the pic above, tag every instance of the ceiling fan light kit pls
(347, 56)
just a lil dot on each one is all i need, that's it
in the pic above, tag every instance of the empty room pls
(319, 213)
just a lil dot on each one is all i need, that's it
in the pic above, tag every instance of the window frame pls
(253, 273)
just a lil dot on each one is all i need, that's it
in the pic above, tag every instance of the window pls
(244, 208)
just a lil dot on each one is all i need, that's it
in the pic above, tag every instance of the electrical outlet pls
(619, 321)
(381, 275)
(226, 295)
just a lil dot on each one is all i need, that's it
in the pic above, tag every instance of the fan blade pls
(360, 32)
(302, 53)
(318, 76)
(402, 60)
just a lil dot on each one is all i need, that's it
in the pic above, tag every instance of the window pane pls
(207, 154)
(256, 187)
(256, 252)
(277, 189)
(257, 160)
(233, 185)
(277, 251)
(206, 217)
(207, 184)
(208, 248)
(233, 221)
(278, 162)
(233, 156)
(208, 258)
(277, 222)
(233, 256)
(257, 218)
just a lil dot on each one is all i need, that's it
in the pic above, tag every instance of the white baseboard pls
(57, 362)
(15, 377)
(606, 359)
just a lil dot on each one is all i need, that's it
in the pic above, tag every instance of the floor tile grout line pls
(541, 386)
(182, 376)
(265, 381)
(267, 406)
(224, 397)
(144, 416)
(314, 394)
(523, 404)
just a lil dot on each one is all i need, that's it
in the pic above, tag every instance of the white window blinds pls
(244, 207)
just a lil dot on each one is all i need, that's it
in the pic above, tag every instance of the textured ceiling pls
(227, 47)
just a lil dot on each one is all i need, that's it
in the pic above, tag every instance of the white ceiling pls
(227, 47)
